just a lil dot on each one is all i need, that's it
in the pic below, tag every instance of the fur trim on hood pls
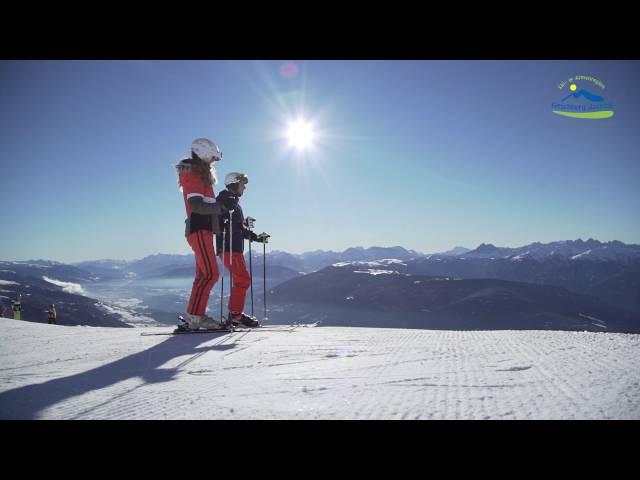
(184, 165)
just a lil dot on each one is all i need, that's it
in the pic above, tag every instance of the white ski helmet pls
(206, 150)
(235, 177)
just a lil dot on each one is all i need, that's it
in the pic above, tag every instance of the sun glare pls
(300, 134)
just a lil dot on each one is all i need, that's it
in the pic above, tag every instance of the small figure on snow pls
(52, 314)
(17, 308)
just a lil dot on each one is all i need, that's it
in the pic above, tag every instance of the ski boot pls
(242, 320)
(196, 322)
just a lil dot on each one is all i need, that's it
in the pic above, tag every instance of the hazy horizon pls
(258, 251)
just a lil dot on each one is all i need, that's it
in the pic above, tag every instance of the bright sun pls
(300, 134)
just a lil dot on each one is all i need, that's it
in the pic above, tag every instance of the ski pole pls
(231, 253)
(264, 277)
(249, 223)
(222, 272)
(251, 277)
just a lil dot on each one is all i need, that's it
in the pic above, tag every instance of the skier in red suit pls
(197, 175)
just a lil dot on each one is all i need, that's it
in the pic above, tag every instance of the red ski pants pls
(207, 273)
(241, 281)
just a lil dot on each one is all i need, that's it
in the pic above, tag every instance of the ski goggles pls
(242, 178)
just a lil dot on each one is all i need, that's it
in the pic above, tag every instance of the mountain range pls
(594, 250)
(610, 271)
(39, 291)
(382, 294)
(607, 272)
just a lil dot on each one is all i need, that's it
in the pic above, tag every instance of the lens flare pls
(289, 70)
(300, 134)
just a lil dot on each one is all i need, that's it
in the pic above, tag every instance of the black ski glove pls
(262, 238)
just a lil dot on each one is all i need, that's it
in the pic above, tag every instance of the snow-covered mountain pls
(166, 265)
(552, 264)
(375, 253)
(320, 259)
(609, 271)
(364, 293)
(275, 274)
(40, 268)
(278, 258)
(105, 264)
(578, 250)
(42, 283)
(159, 264)
(152, 264)
(568, 249)
(487, 250)
(455, 252)
(57, 372)
(104, 270)
(37, 294)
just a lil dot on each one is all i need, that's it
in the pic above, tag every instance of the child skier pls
(233, 247)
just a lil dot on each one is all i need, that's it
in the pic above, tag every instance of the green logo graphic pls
(580, 101)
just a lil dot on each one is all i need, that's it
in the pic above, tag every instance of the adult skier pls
(17, 308)
(197, 175)
(51, 313)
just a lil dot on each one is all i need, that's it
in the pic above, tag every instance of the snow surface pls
(121, 308)
(374, 272)
(27, 264)
(68, 287)
(385, 262)
(63, 372)
(580, 255)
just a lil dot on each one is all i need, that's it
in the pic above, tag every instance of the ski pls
(224, 330)
(181, 330)
(189, 332)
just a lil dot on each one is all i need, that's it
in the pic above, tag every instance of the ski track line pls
(558, 376)
(395, 346)
(559, 381)
(512, 348)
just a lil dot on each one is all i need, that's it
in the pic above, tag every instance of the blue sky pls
(423, 154)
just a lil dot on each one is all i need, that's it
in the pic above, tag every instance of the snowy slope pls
(58, 372)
